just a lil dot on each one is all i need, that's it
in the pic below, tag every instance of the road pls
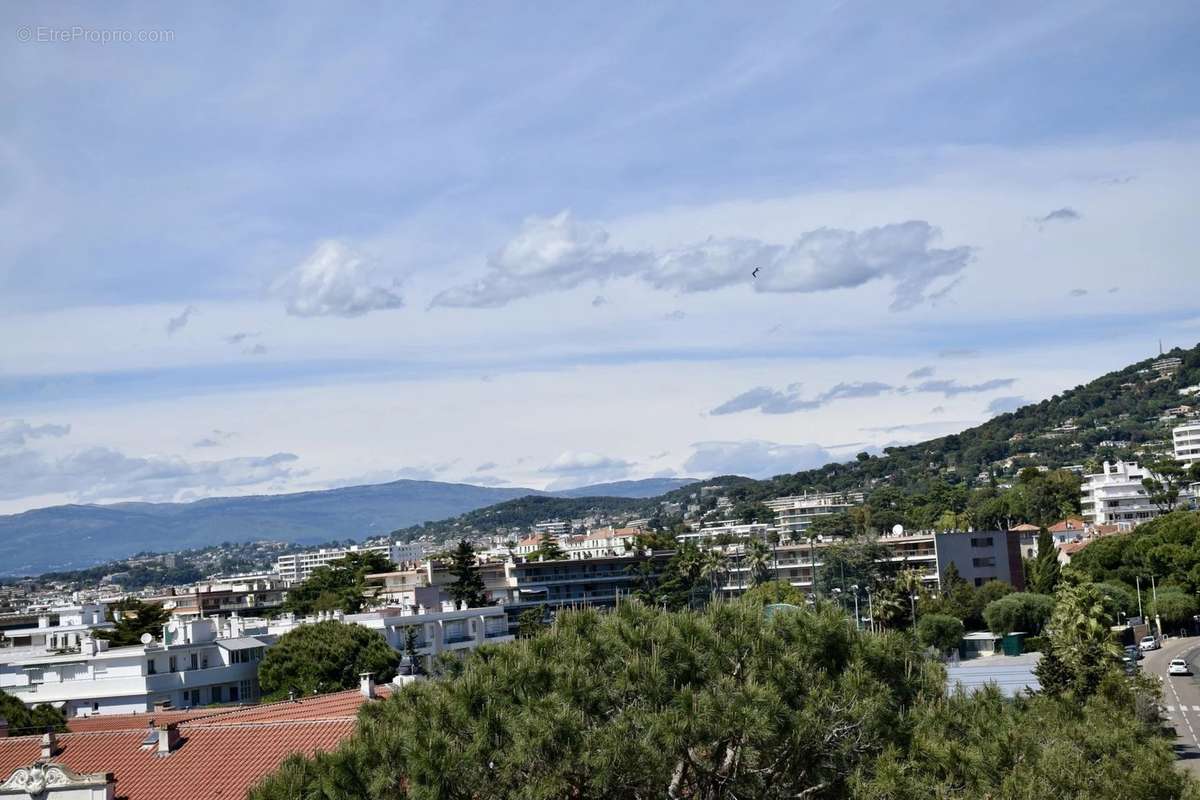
(1181, 696)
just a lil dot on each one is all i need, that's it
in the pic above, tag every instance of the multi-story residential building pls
(246, 596)
(296, 567)
(1117, 496)
(58, 629)
(405, 587)
(599, 543)
(552, 527)
(196, 663)
(578, 582)
(795, 513)
(1186, 439)
(438, 627)
(729, 530)
(979, 557)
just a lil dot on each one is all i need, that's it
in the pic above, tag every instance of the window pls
(195, 697)
(989, 561)
(195, 661)
(151, 667)
(233, 694)
(172, 664)
(982, 541)
(216, 694)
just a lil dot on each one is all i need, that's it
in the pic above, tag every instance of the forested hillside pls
(969, 478)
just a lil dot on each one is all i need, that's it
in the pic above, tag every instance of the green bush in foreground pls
(642, 703)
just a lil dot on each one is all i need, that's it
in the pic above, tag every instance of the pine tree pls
(467, 589)
(548, 549)
(1048, 570)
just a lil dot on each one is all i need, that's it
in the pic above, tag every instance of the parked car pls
(1148, 643)
(1179, 667)
(1132, 651)
(1129, 663)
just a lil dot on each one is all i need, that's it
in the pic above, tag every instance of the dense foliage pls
(730, 703)
(23, 721)
(1167, 547)
(1026, 612)
(324, 657)
(337, 587)
(133, 619)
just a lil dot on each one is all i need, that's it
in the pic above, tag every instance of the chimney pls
(168, 739)
(49, 745)
(367, 685)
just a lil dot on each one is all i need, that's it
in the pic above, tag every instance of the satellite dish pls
(147, 638)
(897, 529)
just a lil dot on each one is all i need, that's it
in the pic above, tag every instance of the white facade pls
(438, 630)
(199, 663)
(1117, 496)
(58, 629)
(1186, 439)
(298, 566)
(794, 514)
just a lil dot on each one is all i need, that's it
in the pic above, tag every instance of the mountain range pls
(75, 536)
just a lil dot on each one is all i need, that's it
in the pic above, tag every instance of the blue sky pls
(407, 241)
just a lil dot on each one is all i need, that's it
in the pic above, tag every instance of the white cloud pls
(1003, 405)
(215, 439)
(755, 459)
(16, 432)
(1065, 214)
(101, 473)
(179, 322)
(334, 281)
(579, 468)
(952, 388)
(560, 252)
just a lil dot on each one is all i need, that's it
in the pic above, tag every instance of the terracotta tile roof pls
(130, 722)
(1068, 524)
(339, 705)
(221, 753)
(210, 763)
(1071, 548)
(1025, 527)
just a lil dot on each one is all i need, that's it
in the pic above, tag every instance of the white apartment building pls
(1186, 439)
(196, 663)
(438, 630)
(58, 629)
(296, 567)
(794, 514)
(1117, 496)
(600, 543)
(553, 527)
(727, 528)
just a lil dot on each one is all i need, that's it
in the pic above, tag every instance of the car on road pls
(1132, 651)
(1129, 663)
(1148, 643)
(1179, 667)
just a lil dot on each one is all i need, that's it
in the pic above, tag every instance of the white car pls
(1148, 643)
(1179, 667)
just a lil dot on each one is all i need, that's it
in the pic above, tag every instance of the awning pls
(241, 643)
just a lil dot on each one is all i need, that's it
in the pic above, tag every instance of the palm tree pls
(712, 566)
(758, 560)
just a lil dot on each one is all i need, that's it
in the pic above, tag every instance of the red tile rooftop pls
(221, 752)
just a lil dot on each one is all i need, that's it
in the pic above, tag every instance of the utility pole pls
(1138, 579)
(1157, 618)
